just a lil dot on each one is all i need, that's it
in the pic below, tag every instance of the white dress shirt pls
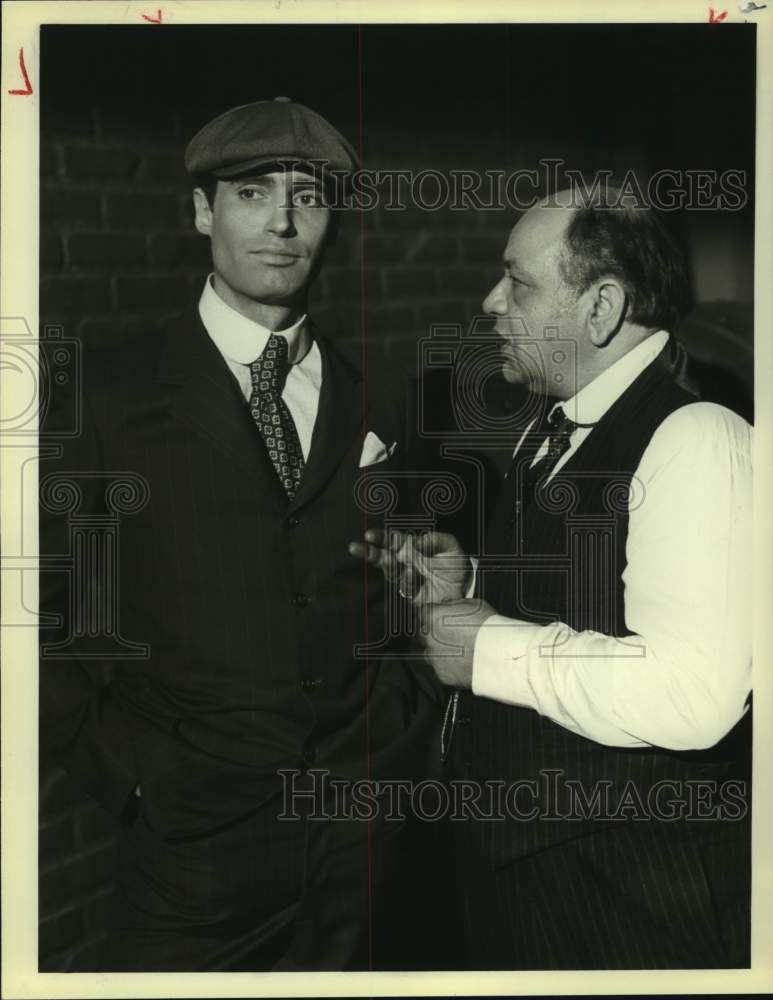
(241, 341)
(681, 681)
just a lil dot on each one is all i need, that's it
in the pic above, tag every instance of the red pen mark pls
(158, 19)
(715, 18)
(28, 85)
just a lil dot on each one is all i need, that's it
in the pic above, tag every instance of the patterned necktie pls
(270, 413)
(559, 428)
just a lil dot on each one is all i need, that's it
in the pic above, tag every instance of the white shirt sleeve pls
(681, 681)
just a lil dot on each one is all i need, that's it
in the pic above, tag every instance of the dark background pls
(119, 254)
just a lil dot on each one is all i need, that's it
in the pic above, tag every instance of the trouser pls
(641, 894)
(263, 894)
(622, 898)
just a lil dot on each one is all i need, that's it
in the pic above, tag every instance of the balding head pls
(539, 236)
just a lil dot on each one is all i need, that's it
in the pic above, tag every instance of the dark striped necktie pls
(273, 418)
(559, 429)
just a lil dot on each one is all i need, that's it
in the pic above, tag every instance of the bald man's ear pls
(203, 216)
(607, 308)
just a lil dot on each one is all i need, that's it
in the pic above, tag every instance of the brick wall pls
(77, 859)
(119, 256)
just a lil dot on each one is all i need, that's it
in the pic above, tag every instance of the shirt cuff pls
(499, 664)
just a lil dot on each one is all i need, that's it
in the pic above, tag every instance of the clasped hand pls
(434, 573)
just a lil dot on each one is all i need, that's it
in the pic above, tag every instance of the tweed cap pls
(277, 131)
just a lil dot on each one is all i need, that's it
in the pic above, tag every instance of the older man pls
(600, 671)
(248, 430)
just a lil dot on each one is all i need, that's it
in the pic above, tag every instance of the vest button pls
(300, 600)
(309, 753)
(293, 521)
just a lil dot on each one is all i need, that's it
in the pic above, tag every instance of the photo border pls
(19, 243)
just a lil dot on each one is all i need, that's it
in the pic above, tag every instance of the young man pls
(247, 430)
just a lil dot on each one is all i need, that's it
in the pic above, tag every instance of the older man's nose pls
(495, 302)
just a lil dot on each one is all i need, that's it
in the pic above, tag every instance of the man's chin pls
(514, 373)
(275, 293)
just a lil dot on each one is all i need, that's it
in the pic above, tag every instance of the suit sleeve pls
(82, 724)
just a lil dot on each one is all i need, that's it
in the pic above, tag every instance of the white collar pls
(242, 340)
(592, 401)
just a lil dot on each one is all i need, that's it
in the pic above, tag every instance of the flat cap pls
(267, 132)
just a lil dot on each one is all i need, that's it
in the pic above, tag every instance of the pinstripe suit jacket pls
(250, 606)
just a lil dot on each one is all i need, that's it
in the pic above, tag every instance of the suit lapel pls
(340, 418)
(206, 397)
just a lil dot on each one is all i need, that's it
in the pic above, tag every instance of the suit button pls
(463, 720)
(309, 754)
(309, 683)
(293, 521)
(300, 600)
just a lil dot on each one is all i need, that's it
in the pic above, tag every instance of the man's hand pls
(428, 568)
(445, 628)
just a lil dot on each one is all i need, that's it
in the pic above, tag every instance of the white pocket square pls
(374, 450)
